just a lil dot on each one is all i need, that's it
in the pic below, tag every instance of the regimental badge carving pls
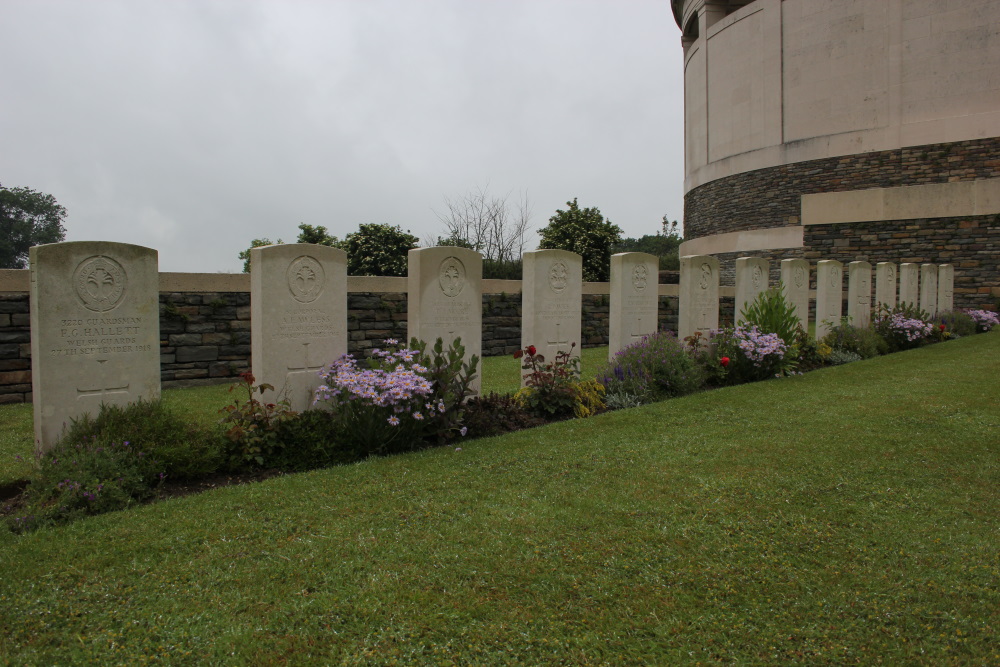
(799, 276)
(306, 279)
(706, 276)
(890, 272)
(835, 277)
(756, 277)
(451, 277)
(100, 283)
(558, 277)
(640, 276)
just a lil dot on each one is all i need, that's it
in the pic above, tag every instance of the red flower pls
(724, 361)
(532, 350)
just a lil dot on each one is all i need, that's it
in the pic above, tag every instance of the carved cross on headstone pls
(637, 327)
(305, 367)
(559, 338)
(101, 391)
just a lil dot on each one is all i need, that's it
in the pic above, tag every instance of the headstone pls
(551, 295)
(795, 280)
(929, 288)
(444, 298)
(699, 296)
(298, 317)
(635, 299)
(751, 280)
(946, 288)
(885, 284)
(829, 295)
(859, 293)
(95, 331)
(908, 283)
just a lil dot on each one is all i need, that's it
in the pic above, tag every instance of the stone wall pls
(205, 336)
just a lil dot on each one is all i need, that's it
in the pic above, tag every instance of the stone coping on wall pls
(17, 281)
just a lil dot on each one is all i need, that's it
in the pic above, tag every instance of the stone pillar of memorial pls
(929, 288)
(859, 293)
(946, 288)
(635, 299)
(909, 283)
(444, 298)
(885, 284)
(795, 282)
(699, 296)
(95, 331)
(829, 296)
(551, 301)
(298, 317)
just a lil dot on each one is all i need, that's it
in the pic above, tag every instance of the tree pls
(378, 250)
(585, 232)
(317, 235)
(493, 226)
(27, 218)
(664, 244)
(256, 243)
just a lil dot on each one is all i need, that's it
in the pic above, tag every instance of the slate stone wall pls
(205, 336)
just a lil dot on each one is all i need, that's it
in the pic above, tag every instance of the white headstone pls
(444, 298)
(909, 283)
(699, 296)
(946, 288)
(551, 295)
(885, 284)
(95, 331)
(298, 317)
(929, 288)
(635, 299)
(859, 293)
(829, 295)
(751, 280)
(795, 280)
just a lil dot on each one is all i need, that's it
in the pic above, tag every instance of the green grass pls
(849, 515)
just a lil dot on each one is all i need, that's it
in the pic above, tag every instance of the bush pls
(862, 341)
(550, 389)
(397, 398)
(746, 354)
(184, 450)
(77, 479)
(656, 367)
(496, 414)
(838, 357)
(903, 327)
(957, 322)
(310, 440)
(770, 312)
(252, 423)
(985, 320)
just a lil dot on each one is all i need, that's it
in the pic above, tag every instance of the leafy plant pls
(772, 313)
(496, 414)
(550, 389)
(863, 341)
(838, 357)
(657, 366)
(903, 327)
(958, 323)
(746, 354)
(252, 421)
(985, 320)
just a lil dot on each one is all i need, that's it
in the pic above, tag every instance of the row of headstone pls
(699, 293)
(95, 317)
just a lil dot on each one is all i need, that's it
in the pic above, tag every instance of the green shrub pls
(654, 368)
(310, 440)
(747, 354)
(77, 479)
(903, 327)
(957, 322)
(251, 424)
(184, 450)
(550, 388)
(838, 357)
(496, 414)
(771, 313)
(862, 341)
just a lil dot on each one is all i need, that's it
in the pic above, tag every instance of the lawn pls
(846, 516)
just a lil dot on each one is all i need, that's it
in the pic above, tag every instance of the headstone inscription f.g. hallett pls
(95, 331)
(635, 299)
(298, 317)
(551, 293)
(444, 298)
(699, 296)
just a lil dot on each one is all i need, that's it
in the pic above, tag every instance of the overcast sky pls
(193, 127)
